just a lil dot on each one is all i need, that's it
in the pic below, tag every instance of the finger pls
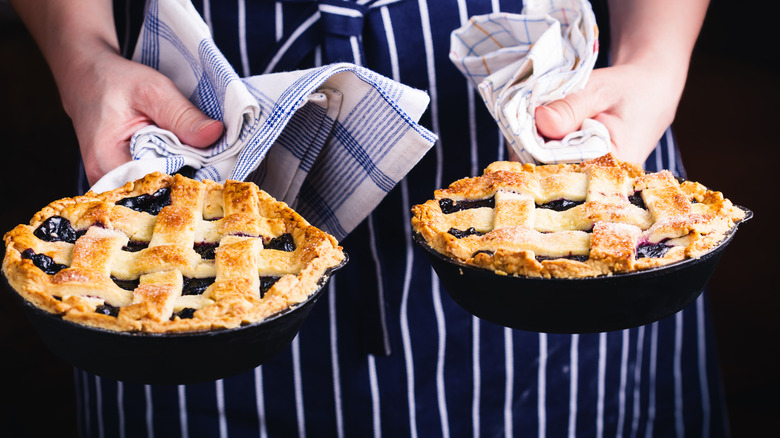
(100, 160)
(170, 110)
(561, 117)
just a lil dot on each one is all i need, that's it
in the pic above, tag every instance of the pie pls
(596, 218)
(169, 254)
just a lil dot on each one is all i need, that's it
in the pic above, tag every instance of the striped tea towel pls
(521, 61)
(330, 141)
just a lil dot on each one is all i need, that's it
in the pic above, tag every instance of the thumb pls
(177, 114)
(562, 117)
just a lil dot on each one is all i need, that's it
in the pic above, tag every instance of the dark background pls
(726, 127)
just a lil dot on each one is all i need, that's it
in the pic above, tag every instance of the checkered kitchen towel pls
(521, 61)
(329, 141)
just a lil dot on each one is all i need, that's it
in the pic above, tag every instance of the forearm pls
(658, 34)
(71, 34)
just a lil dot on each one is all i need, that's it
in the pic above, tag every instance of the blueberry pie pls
(168, 254)
(595, 218)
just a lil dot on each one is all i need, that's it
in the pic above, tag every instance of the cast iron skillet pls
(583, 305)
(178, 358)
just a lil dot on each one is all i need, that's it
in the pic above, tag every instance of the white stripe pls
(120, 403)
(477, 392)
(182, 393)
(87, 419)
(242, 38)
(376, 409)
(501, 146)
(99, 405)
(574, 374)
(542, 386)
(318, 56)
(509, 385)
(652, 377)
(405, 338)
(260, 401)
(601, 384)
(392, 49)
(79, 397)
(219, 390)
(207, 14)
(149, 411)
(405, 335)
(338, 10)
(334, 354)
(640, 348)
(463, 12)
(126, 37)
(701, 346)
(433, 91)
(379, 3)
(393, 53)
(659, 164)
(355, 45)
(290, 41)
(471, 105)
(442, 331)
(299, 412)
(380, 282)
(431, 70)
(279, 21)
(670, 147)
(677, 363)
(473, 142)
(623, 382)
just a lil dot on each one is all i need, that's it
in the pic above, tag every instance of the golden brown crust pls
(604, 228)
(238, 216)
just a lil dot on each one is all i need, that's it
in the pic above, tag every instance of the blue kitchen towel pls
(330, 141)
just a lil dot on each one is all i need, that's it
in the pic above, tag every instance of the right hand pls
(111, 98)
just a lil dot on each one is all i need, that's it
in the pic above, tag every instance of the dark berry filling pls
(151, 204)
(449, 206)
(57, 229)
(206, 249)
(578, 258)
(43, 262)
(560, 204)
(135, 246)
(185, 313)
(282, 243)
(465, 233)
(637, 200)
(126, 284)
(107, 309)
(648, 249)
(266, 283)
(196, 286)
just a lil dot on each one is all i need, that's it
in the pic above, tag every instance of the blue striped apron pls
(386, 352)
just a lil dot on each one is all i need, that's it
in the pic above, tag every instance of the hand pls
(636, 98)
(111, 98)
(632, 101)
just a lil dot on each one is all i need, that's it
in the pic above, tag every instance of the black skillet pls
(179, 358)
(583, 305)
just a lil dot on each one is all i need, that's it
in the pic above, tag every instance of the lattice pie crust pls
(599, 217)
(214, 256)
